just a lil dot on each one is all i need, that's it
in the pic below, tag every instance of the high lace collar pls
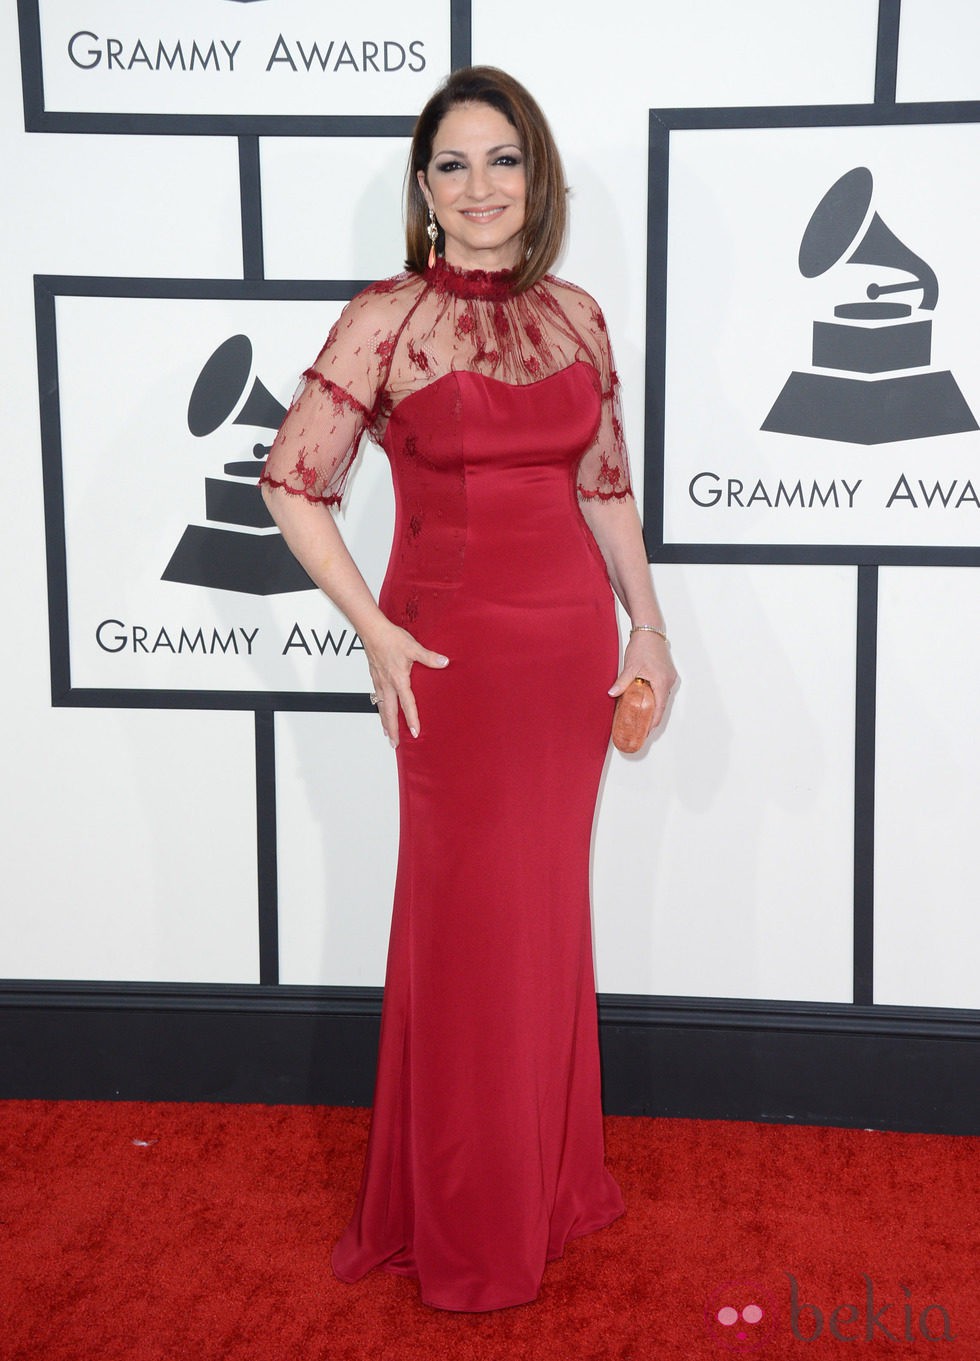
(492, 285)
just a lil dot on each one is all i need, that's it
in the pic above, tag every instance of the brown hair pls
(544, 214)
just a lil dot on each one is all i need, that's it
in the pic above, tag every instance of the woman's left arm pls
(615, 525)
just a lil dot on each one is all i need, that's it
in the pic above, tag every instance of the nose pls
(480, 186)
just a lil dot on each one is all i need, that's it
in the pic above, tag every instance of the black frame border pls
(662, 123)
(882, 1067)
(39, 119)
(47, 289)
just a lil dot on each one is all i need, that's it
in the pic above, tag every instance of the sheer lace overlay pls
(401, 334)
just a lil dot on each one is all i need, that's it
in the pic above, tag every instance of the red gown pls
(497, 412)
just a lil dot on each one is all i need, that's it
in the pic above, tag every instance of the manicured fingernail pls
(414, 732)
(394, 742)
(443, 661)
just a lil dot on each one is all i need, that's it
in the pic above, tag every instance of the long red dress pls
(498, 411)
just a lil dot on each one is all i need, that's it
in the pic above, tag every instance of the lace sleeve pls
(318, 441)
(603, 473)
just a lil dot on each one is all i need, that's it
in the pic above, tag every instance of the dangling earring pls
(433, 233)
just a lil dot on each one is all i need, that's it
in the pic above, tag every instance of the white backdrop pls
(723, 857)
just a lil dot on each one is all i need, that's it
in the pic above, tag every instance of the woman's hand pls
(391, 654)
(648, 655)
(315, 540)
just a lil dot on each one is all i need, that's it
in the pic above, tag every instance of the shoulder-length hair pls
(544, 212)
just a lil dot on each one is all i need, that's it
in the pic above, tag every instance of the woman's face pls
(475, 184)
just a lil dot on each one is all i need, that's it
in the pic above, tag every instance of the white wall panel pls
(332, 206)
(129, 845)
(161, 206)
(337, 804)
(723, 856)
(927, 926)
(594, 62)
(939, 50)
(156, 206)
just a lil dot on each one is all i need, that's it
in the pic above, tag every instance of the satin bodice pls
(484, 475)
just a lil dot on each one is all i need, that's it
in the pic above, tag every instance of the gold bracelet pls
(650, 628)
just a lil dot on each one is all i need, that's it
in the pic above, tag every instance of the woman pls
(490, 385)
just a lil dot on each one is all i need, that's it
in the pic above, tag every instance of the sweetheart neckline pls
(489, 378)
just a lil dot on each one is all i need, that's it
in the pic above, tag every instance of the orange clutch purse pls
(633, 718)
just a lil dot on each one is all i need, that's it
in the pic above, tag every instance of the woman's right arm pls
(305, 475)
(314, 539)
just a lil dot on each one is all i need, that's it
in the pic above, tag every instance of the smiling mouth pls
(482, 214)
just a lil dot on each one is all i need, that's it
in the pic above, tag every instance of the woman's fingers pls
(428, 658)
(386, 699)
(623, 680)
(406, 702)
(657, 669)
(393, 687)
(406, 696)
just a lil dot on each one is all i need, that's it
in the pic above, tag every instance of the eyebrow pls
(448, 151)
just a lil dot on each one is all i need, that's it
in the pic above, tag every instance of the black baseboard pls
(880, 1067)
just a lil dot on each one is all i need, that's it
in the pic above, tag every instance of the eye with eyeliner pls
(508, 160)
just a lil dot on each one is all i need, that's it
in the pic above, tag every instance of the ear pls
(424, 186)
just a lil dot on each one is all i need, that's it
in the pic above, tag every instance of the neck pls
(493, 285)
(490, 261)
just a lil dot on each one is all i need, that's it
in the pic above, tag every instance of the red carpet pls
(164, 1232)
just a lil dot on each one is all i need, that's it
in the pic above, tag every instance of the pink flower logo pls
(740, 1315)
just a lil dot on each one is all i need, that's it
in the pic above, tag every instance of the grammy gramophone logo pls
(239, 549)
(871, 381)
